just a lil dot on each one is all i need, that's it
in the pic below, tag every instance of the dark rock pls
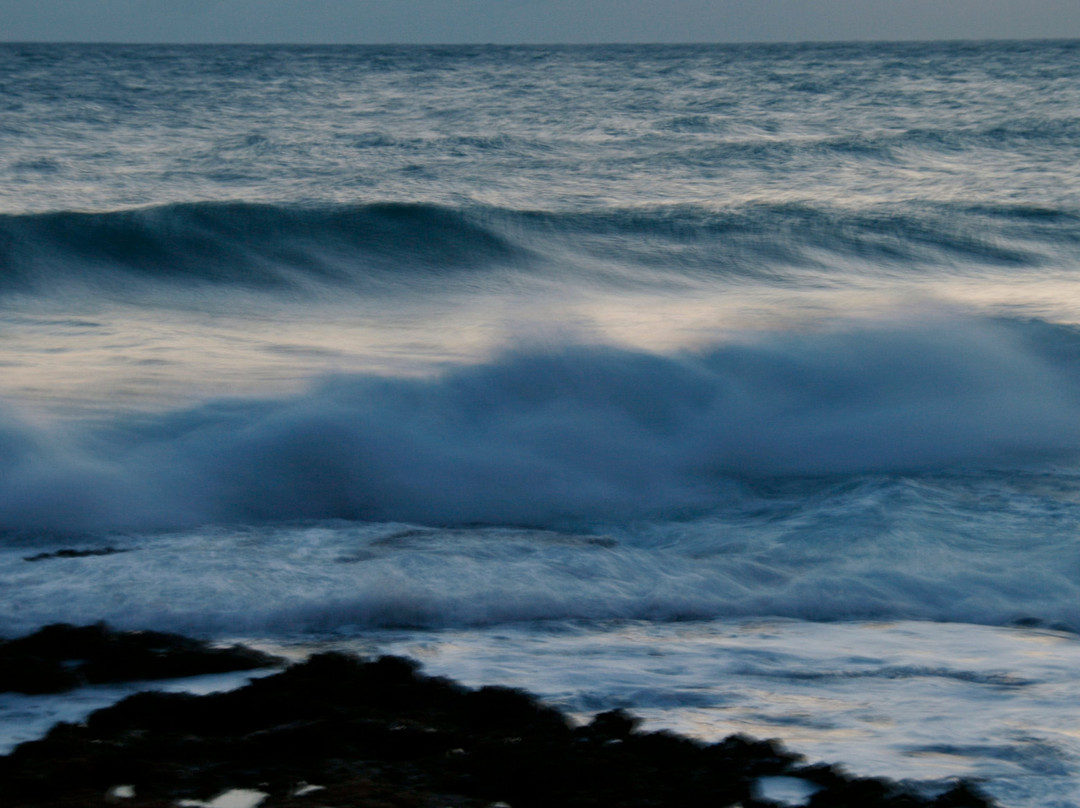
(60, 657)
(614, 725)
(963, 795)
(71, 553)
(380, 734)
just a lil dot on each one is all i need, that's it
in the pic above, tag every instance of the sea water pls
(738, 386)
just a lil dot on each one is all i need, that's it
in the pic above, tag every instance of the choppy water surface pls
(745, 378)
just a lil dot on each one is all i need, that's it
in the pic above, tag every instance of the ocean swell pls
(370, 247)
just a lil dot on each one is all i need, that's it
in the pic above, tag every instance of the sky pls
(532, 21)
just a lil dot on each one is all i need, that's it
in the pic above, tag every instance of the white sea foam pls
(924, 701)
(939, 548)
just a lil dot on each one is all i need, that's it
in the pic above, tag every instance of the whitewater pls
(737, 386)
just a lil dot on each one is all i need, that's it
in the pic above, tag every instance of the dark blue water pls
(485, 340)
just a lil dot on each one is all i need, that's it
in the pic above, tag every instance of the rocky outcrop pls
(378, 734)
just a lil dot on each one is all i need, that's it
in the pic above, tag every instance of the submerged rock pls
(378, 733)
(71, 552)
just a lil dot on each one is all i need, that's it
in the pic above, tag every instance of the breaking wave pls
(577, 433)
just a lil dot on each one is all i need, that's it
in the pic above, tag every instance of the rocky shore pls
(61, 657)
(337, 731)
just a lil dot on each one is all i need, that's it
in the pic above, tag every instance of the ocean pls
(737, 386)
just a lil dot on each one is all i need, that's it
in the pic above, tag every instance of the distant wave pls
(257, 245)
(579, 433)
(275, 247)
(937, 142)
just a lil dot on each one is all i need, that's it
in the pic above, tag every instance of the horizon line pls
(489, 44)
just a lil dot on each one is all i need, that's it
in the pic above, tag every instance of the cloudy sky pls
(539, 21)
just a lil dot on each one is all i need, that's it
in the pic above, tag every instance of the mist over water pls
(631, 354)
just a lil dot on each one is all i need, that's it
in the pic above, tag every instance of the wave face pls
(244, 244)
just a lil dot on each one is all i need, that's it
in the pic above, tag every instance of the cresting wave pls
(548, 438)
(240, 243)
(277, 247)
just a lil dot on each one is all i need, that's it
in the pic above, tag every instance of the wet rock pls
(380, 734)
(61, 656)
(73, 553)
(614, 725)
